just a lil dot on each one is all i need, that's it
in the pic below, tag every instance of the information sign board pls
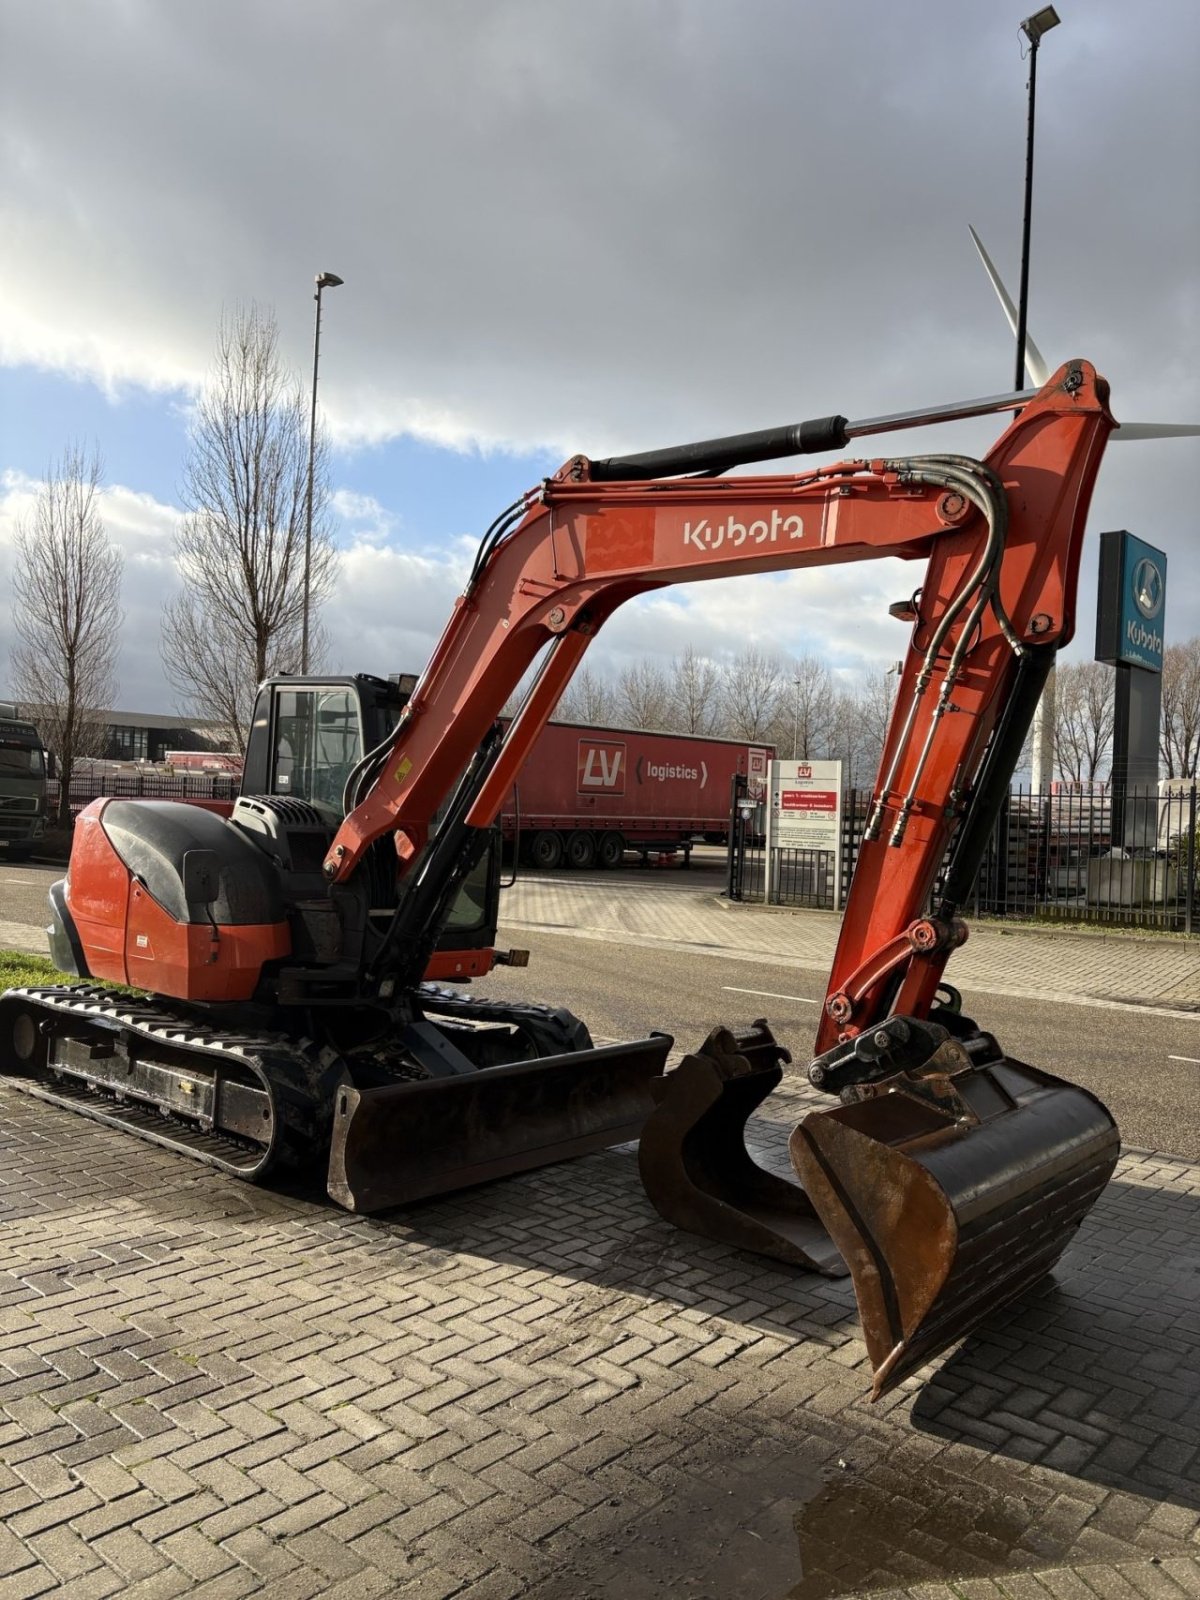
(806, 810)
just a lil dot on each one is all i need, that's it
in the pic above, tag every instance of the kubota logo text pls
(706, 535)
(601, 766)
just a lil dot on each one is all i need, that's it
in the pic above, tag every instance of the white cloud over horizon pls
(390, 603)
(565, 226)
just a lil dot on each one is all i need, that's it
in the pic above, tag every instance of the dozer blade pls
(695, 1167)
(406, 1141)
(951, 1192)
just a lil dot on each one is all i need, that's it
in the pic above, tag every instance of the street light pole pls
(325, 280)
(1033, 28)
(1042, 765)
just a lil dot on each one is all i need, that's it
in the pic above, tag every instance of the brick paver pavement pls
(538, 1388)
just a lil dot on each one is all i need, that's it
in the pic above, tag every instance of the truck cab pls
(22, 784)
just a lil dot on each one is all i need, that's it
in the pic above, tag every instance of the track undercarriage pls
(459, 1085)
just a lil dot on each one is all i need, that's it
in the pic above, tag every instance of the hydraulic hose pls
(978, 484)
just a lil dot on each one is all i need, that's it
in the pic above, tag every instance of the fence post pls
(1191, 859)
(737, 828)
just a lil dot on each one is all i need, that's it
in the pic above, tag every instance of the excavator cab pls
(307, 737)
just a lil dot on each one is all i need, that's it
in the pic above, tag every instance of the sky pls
(584, 226)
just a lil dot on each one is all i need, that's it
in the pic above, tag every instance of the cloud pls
(390, 603)
(571, 226)
(364, 520)
(580, 227)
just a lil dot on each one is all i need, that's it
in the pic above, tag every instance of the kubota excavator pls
(286, 950)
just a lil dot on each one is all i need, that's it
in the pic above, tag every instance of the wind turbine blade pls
(1157, 430)
(1035, 364)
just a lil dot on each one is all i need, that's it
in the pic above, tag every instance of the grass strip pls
(19, 970)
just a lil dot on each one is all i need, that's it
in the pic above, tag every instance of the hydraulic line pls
(502, 525)
(363, 776)
(435, 878)
(980, 486)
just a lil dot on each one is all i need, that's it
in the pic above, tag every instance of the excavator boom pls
(947, 1178)
(1001, 540)
(953, 1176)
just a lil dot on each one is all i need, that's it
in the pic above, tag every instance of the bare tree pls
(67, 593)
(587, 698)
(1083, 721)
(752, 686)
(1180, 735)
(695, 693)
(806, 713)
(240, 548)
(861, 716)
(643, 696)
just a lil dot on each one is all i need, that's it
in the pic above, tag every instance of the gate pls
(747, 865)
(799, 877)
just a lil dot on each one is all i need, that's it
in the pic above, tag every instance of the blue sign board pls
(1133, 597)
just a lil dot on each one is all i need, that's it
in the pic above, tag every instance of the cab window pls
(318, 740)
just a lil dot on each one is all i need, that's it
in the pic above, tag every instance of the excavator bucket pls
(696, 1169)
(945, 1189)
(950, 1196)
(405, 1141)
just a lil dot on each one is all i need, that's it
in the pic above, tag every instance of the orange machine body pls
(128, 937)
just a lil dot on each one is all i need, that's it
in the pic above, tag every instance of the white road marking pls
(1191, 1060)
(811, 963)
(768, 994)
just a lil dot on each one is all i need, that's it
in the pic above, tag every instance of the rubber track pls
(299, 1075)
(553, 1030)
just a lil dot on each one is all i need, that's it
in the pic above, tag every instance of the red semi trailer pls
(586, 795)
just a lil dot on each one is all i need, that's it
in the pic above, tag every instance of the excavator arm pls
(282, 1028)
(1001, 540)
(951, 1176)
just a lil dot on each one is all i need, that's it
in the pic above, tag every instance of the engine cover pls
(123, 914)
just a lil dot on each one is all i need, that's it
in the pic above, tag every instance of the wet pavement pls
(537, 1388)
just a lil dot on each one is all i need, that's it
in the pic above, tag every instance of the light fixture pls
(1039, 23)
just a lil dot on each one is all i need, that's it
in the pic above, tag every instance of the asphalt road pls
(1125, 1057)
(23, 890)
(623, 992)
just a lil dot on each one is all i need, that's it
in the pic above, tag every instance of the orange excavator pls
(288, 953)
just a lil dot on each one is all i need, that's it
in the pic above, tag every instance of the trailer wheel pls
(610, 852)
(546, 849)
(581, 849)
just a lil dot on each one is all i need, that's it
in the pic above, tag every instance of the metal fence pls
(138, 785)
(1086, 855)
(1094, 855)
